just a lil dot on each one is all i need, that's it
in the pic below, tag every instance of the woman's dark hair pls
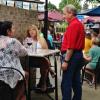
(28, 34)
(6, 25)
(0, 25)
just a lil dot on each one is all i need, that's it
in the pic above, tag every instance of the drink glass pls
(34, 47)
(29, 44)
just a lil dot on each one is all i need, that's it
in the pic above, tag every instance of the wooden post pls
(46, 20)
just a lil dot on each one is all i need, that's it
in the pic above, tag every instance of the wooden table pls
(40, 53)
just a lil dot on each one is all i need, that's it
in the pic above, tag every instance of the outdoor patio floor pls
(89, 93)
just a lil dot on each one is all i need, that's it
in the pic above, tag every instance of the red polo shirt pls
(74, 36)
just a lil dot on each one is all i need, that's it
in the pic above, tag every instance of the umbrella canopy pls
(94, 19)
(52, 16)
(92, 12)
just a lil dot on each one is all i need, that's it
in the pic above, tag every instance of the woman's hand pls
(87, 57)
(64, 66)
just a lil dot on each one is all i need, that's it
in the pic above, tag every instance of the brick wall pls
(21, 18)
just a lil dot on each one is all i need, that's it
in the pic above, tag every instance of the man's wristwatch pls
(66, 61)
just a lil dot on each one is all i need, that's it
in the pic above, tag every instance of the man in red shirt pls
(72, 45)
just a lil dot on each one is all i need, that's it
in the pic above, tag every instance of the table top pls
(42, 52)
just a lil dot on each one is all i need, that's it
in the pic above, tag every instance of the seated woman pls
(34, 36)
(10, 51)
(88, 43)
(94, 54)
(50, 40)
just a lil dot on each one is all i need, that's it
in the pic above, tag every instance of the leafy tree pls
(85, 6)
(74, 2)
(90, 1)
(51, 6)
(93, 0)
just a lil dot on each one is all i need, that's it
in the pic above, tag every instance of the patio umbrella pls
(94, 19)
(52, 16)
(55, 15)
(91, 12)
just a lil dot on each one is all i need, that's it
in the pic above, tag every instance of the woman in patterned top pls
(10, 51)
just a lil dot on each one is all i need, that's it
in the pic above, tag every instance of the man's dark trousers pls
(71, 78)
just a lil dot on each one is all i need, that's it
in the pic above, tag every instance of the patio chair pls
(95, 72)
(8, 92)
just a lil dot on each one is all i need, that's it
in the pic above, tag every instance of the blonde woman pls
(44, 64)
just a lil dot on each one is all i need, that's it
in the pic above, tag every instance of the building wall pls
(20, 17)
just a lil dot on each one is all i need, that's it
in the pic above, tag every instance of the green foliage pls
(85, 6)
(74, 2)
(51, 6)
(93, 0)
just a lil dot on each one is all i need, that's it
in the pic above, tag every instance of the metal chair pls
(7, 86)
(96, 73)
